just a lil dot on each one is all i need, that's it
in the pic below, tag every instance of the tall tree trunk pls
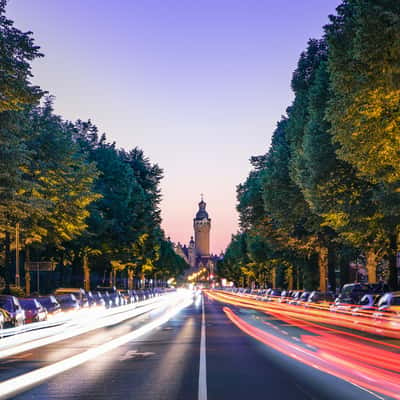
(130, 278)
(371, 265)
(290, 278)
(111, 282)
(86, 272)
(273, 277)
(323, 268)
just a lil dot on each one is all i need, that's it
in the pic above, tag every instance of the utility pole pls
(17, 277)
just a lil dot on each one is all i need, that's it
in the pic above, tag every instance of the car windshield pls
(396, 301)
(384, 301)
(67, 298)
(6, 303)
(313, 296)
(28, 303)
(364, 301)
(347, 290)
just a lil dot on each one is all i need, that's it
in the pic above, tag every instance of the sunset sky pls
(199, 85)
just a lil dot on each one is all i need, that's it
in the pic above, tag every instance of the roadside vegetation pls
(74, 198)
(326, 195)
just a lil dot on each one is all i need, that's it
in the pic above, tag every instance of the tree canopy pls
(327, 191)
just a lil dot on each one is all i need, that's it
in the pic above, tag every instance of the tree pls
(17, 50)
(363, 109)
(365, 76)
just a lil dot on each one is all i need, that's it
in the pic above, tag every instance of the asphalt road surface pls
(175, 362)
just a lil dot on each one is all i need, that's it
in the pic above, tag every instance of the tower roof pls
(202, 213)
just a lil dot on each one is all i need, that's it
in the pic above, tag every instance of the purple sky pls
(199, 85)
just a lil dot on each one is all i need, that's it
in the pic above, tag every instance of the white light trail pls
(85, 322)
(23, 382)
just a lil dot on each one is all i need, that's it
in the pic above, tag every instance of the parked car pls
(99, 299)
(352, 293)
(317, 297)
(341, 306)
(303, 298)
(295, 297)
(128, 296)
(50, 303)
(274, 294)
(368, 304)
(5, 319)
(2, 321)
(113, 294)
(388, 305)
(14, 309)
(108, 303)
(79, 294)
(284, 296)
(96, 299)
(68, 302)
(34, 311)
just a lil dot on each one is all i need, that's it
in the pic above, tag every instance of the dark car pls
(317, 297)
(2, 320)
(68, 302)
(50, 304)
(95, 299)
(388, 305)
(5, 319)
(295, 297)
(303, 298)
(105, 296)
(114, 295)
(284, 296)
(128, 296)
(79, 294)
(368, 304)
(34, 311)
(352, 293)
(274, 294)
(14, 309)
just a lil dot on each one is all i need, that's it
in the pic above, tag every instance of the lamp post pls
(17, 276)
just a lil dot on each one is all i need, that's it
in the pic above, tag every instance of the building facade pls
(197, 252)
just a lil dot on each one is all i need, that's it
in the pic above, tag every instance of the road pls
(166, 363)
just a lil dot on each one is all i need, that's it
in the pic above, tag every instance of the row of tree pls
(326, 195)
(70, 196)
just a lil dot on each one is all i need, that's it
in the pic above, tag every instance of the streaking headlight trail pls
(23, 382)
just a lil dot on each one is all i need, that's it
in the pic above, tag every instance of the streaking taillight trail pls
(362, 361)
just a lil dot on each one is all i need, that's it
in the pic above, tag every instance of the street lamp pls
(17, 276)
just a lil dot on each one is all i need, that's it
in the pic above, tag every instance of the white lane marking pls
(366, 390)
(202, 367)
(135, 354)
(23, 382)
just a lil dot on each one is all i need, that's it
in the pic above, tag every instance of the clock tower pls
(202, 226)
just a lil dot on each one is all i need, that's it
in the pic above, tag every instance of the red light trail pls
(366, 362)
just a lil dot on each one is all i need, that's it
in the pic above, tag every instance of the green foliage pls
(17, 50)
(77, 198)
(365, 75)
(329, 184)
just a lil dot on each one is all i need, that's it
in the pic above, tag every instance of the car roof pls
(68, 290)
